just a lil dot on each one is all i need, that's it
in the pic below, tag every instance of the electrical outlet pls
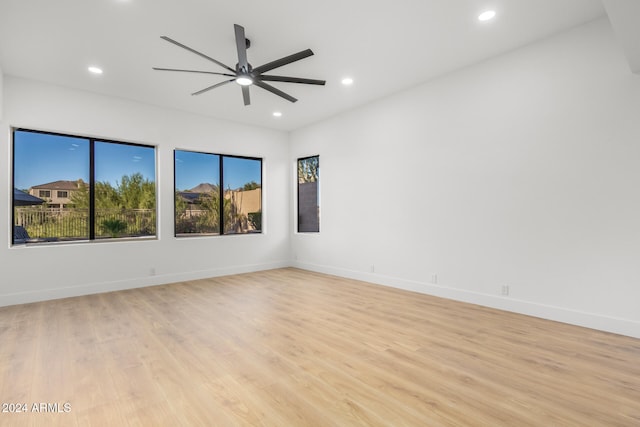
(152, 271)
(434, 279)
(505, 290)
(373, 268)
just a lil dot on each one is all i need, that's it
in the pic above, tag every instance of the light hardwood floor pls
(294, 348)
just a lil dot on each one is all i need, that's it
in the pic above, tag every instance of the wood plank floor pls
(294, 348)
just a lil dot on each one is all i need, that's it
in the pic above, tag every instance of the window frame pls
(91, 235)
(298, 195)
(221, 223)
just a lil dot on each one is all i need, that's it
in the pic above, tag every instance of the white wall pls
(520, 171)
(1, 95)
(43, 272)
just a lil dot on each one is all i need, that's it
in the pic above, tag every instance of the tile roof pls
(58, 185)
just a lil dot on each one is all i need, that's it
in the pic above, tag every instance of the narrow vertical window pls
(197, 193)
(308, 195)
(242, 180)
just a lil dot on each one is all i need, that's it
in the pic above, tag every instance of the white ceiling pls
(625, 18)
(386, 46)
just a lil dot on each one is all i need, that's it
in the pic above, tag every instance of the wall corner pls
(1, 91)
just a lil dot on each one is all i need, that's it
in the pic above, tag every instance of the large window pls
(199, 209)
(72, 188)
(308, 195)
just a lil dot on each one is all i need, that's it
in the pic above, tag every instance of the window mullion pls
(92, 190)
(221, 194)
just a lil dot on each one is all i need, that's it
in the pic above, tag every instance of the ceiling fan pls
(246, 75)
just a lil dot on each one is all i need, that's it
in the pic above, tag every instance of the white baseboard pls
(139, 282)
(573, 317)
(589, 320)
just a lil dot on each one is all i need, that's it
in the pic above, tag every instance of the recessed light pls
(487, 15)
(347, 81)
(95, 70)
(277, 114)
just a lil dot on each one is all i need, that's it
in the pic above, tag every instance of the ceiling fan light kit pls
(244, 74)
(244, 80)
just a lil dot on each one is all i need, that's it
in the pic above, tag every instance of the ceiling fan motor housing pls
(241, 70)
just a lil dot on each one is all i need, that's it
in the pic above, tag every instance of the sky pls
(198, 168)
(113, 161)
(41, 158)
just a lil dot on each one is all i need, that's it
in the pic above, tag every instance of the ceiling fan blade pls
(290, 80)
(283, 61)
(213, 87)
(193, 71)
(245, 95)
(170, 40)
(241, 45)
(273, 90)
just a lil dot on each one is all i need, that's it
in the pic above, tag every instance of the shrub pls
(114, 227)
(255, 219)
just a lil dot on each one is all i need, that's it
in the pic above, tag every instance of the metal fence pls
(73, 223)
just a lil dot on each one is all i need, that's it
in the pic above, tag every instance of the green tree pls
(209, 220)
(80, 197)
(132, 192)
(234, 220)
(135, 192)
(308, 170)
(184, 223)
(181, 204)
(255, 219)
(250, 186)
(106, 196)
